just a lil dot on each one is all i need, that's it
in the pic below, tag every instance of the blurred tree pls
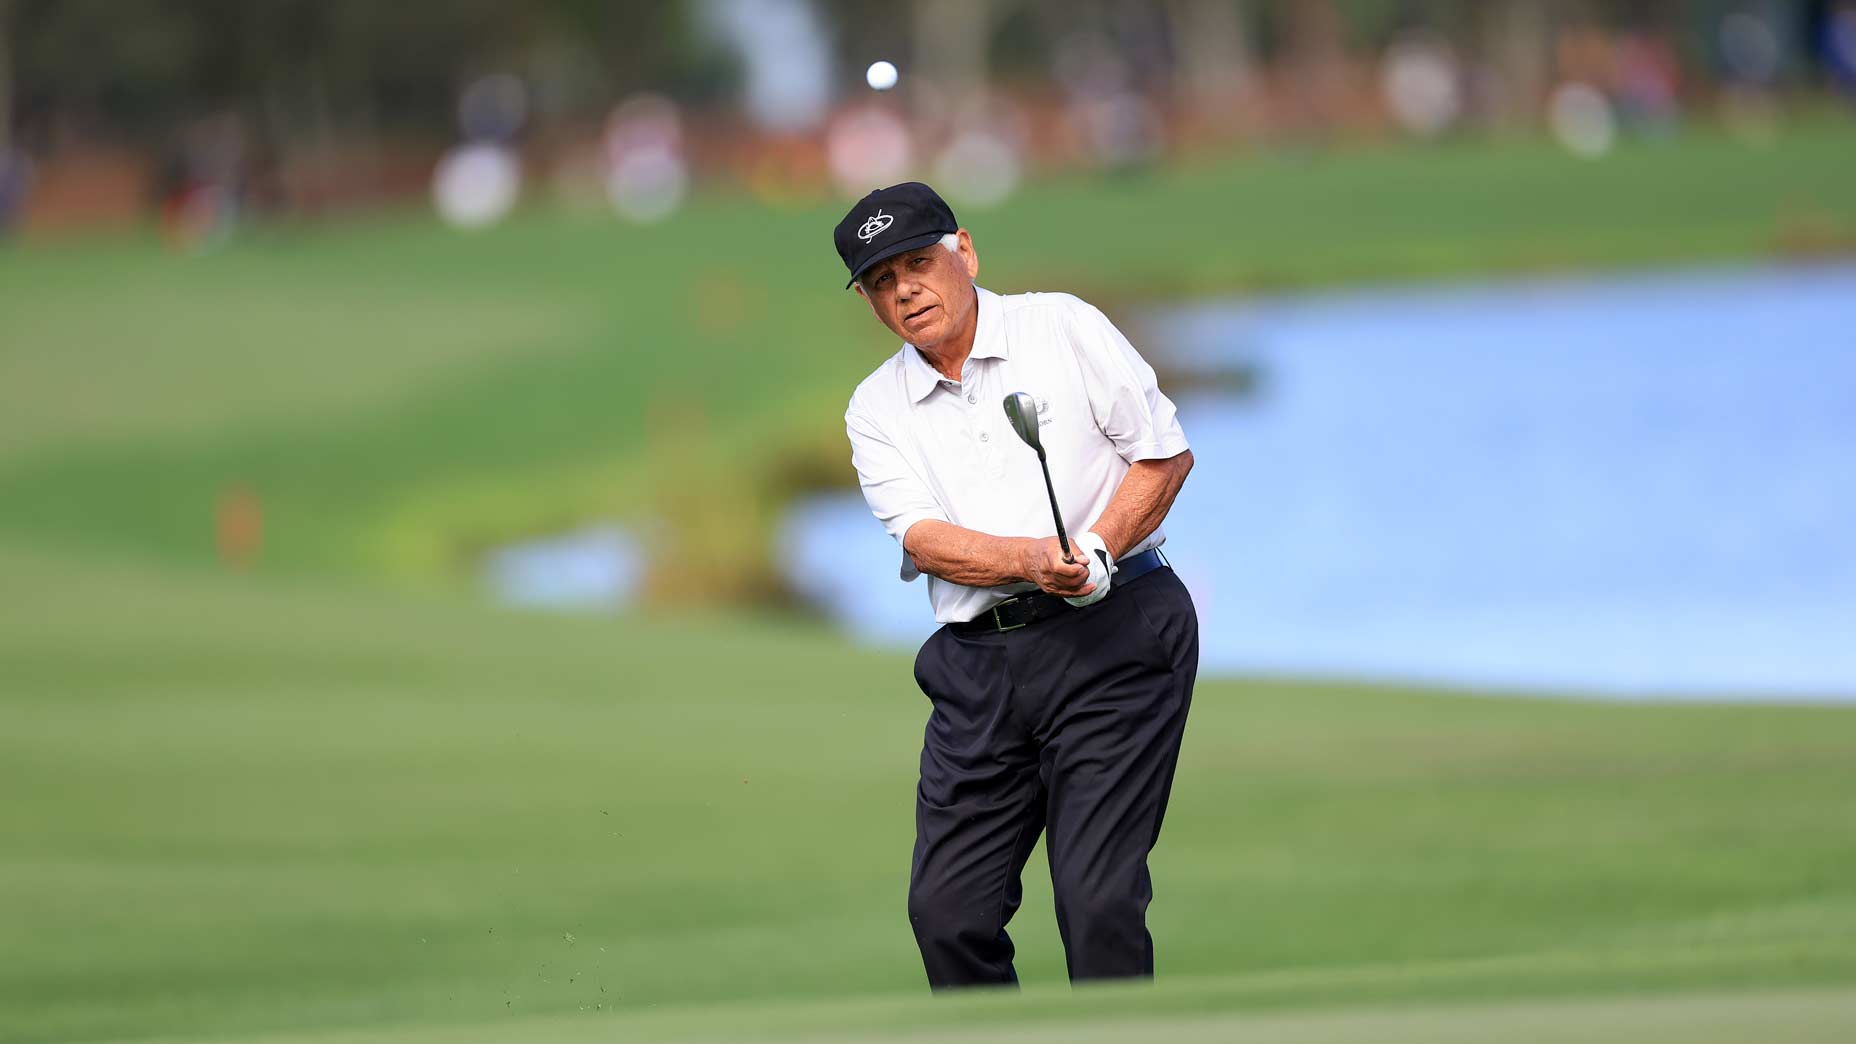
(6, 75)
(951, 44)
(1315, 39)
(1516, 41)
(1214, 67)
(135, 69)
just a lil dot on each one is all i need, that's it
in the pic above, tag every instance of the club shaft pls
(1063, 538)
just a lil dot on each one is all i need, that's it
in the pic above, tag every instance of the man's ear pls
(859, 286)
(968, 255)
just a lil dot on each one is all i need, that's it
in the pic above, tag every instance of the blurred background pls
(436, 591)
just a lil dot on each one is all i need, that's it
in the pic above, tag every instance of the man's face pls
(924, 296)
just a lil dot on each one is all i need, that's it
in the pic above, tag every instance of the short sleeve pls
(896, 495)
(1124, 394)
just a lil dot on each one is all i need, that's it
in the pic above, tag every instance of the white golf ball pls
(881, 76)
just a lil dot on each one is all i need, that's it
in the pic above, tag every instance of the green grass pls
(239, 806)
(1176, 1011)
(403, 395)
(305, 805)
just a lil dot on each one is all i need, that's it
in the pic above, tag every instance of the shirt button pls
(972, 397)
(984, 436)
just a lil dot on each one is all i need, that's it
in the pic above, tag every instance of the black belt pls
(1032, 606)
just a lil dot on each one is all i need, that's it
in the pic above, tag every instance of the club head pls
(1022, 411)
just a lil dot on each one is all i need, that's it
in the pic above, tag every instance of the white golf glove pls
(1101, 567)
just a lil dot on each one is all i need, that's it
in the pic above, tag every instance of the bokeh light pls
(1421, 83)
(1750, 48)
(646, 176)
(867, 146)
(1582, 119)
(476, 185)
(647, 185)
(979, 167)
(493, 109)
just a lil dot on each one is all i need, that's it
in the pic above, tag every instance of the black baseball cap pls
(890, 221)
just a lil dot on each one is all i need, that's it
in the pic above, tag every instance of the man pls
(1059, 687)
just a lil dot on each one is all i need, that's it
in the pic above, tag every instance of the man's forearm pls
(966, 556)
(975, 559)
(1141, 502)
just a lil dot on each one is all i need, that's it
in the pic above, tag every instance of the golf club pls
(1022, 411)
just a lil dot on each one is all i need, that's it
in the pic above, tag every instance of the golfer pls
(1059, 687)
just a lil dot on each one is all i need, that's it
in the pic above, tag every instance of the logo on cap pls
(873, 224)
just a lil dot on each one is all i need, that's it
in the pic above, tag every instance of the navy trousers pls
(1068, 727)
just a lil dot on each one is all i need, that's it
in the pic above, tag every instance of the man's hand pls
(1043, 565)
(1091, 548)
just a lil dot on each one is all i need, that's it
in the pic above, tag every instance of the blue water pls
(1622, 486)
(598, 567)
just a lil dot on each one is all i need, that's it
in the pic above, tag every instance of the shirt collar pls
(988, 343)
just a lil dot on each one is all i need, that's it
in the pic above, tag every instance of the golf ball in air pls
(881, 76)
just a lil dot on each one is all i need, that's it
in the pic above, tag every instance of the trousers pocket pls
(921, 678)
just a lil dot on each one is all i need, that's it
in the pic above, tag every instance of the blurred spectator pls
(202, 184)
(477, 183)
(1582, 119)
(646, 174)
(493, 109)
(1422, 83)
(1647, 79)
(1752, 46)
(1114, 125)
(868, 145)
(984, 161)
(15, 182)
(1834, 30)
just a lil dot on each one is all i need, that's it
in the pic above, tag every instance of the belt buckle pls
(999, 624)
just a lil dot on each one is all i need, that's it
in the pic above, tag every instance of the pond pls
(1640, 485)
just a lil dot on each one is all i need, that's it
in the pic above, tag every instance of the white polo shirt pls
(927, 447)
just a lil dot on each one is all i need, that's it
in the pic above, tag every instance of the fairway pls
(337, 798)
(238, 807)
(1794, 1017)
